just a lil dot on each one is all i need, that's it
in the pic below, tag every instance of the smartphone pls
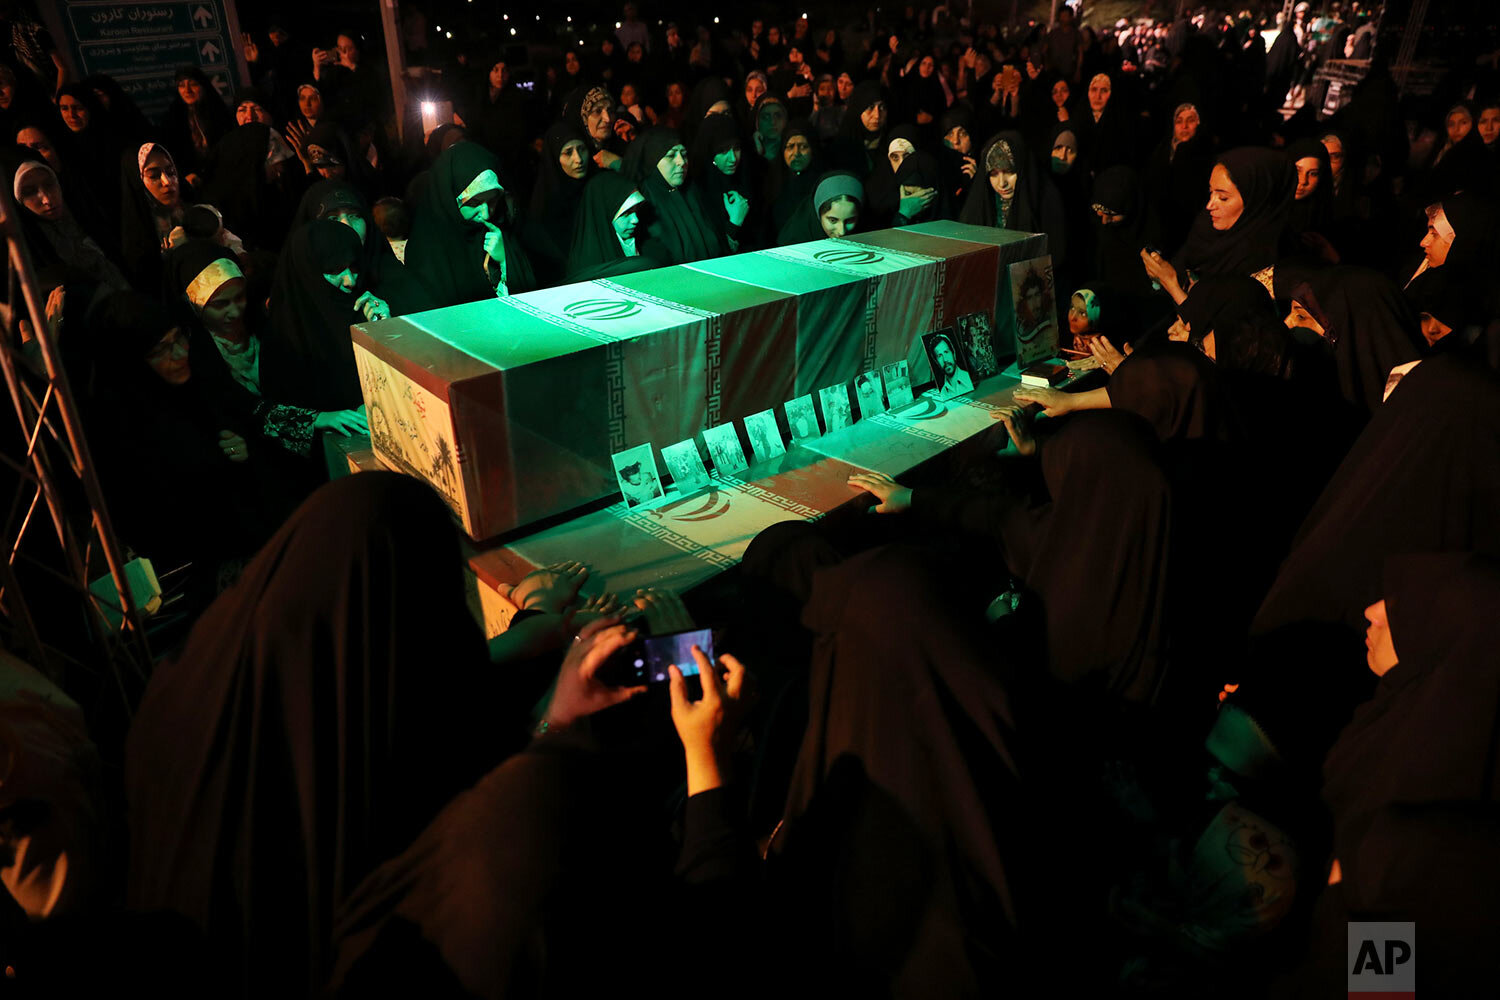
(645, 661)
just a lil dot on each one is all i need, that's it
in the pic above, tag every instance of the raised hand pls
(1109, 358)
(372, 306)
(579, 692)
(233, 446)
(707, 726)
(736, 206)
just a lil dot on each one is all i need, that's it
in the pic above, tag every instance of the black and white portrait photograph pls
(724, 449)
(897, 384)
(870, 392)
(685, 465)
(976, 338)
(950, 365)
(765, 436)
(835, 402)
(635, 470)
(801, 418)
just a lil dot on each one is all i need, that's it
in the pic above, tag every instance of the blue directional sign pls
(142, 44)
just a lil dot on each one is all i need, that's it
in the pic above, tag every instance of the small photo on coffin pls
(636, 472)
(802, 419)
(835, 401)
(765, 436)
(724, 450)
(950, 364)
(897, 385)
(869, 390)
(685, 465)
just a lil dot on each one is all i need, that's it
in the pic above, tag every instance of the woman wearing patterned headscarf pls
(1009, 191)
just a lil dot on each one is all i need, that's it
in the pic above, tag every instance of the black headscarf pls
(785, 190)
(1035, 208)
(1178, 179)
(706, 93)
(1108, 141)
(1314, 213)
(237, 186)
(922, 170)
(379, 270)
(1094, 545)
(554, 200)
(853, 150)
(152, 440)
(1420, 478)
(142, 218)
(1266, 182)
(1241, 315)
(955, 181)
(595, 251)
(313, 723)
(1438, 294)
(882, 843)
(1369, 324)
(716, 134)
(94, 153)
(307, 355)
(1473, 254)
(1175, 388)
(681, 230)
(882, 194)
(60, 248)
(1412, 781)
(192, 131)
(1117, 247)
(554, 203)
(445, 250)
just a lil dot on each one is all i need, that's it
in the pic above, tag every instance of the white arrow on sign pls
(203, 16)
(210, 51)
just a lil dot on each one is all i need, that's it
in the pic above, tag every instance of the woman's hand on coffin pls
(1018, 426)
(736, 207)
(894, 498)
(579, 692)
(707, 726)
(594, 607)
(1054, 402)
(233, 446)
(374, 307)
(349, 422)
(551, 589)
(664, 610)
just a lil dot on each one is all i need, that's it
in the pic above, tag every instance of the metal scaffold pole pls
(56, 469)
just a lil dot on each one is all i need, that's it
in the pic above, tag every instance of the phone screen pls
(646, 660)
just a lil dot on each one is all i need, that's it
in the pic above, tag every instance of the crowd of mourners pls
(1083, 710)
